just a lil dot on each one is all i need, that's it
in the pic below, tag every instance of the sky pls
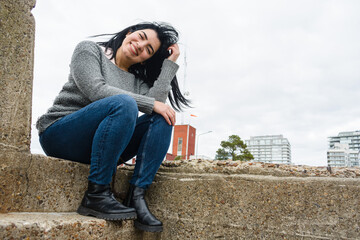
(251, 67)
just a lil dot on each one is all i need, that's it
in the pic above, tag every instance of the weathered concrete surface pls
(39, 183)
(63, 226)
(216, 205)
(248, 206)
(258, 168)
(13, 179)
(17, 28)
(243, 206)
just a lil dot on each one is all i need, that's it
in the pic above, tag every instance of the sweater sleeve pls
(85, 69)
(161, 87)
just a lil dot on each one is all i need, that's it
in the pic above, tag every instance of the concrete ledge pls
(257, 207)
(39, 183)
(30, 182)
(209, 201)
(66, 226)
(257, 168)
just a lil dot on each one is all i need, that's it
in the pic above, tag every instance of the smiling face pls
(137, 47)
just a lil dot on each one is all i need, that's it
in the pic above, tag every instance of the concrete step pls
(66, 225)
(36, 183)
(206, 200)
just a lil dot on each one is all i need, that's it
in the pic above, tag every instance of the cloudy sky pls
(253, 67)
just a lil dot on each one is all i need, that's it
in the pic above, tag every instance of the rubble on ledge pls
(257, 168)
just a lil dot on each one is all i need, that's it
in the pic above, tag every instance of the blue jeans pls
(105, 130)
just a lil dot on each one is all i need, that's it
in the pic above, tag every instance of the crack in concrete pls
(9, 146)
(27, 175)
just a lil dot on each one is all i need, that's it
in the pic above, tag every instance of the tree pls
(235, 149)
(179, 157)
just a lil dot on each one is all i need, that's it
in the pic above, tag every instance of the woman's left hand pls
(166, 111)
(174, 52)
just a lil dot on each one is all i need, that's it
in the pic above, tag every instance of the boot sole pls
(148, 228)
(107, 216)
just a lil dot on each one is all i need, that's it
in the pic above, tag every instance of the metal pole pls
(197, 142)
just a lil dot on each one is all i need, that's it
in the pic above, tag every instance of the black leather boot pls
(99, 202)
(145, 220)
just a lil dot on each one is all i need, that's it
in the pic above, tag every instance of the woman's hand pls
(166, 111)
(174, 52)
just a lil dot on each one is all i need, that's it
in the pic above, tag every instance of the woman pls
(94, 119)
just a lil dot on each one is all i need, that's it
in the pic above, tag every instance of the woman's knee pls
(160, 120)
(125, 103)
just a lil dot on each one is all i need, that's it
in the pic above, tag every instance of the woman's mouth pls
(133, 49)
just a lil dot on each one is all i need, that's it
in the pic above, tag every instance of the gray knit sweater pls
(93, 76)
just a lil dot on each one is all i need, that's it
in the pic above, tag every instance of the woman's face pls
(139, 46)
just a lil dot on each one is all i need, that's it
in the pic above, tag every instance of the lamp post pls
(197, 142)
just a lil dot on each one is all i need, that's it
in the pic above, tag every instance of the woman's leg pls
(150, 142)
(96, 134)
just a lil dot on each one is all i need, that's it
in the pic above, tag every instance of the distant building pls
(170, 157)
(184, 141)
(351, 138)
(270, 149)
(342, 156)
(344, 150)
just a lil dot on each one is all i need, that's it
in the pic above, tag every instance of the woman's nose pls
(140, 46)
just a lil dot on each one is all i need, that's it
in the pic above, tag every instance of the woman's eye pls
(148, 50)
(141, 36)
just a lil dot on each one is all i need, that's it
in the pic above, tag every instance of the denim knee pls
(126, 104)
(160, 120)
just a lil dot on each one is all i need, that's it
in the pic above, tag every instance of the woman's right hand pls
(174, 52)
(166, 111)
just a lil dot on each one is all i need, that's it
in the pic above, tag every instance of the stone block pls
(13, 179)
(234, 200)
(218, 206)
(39, 183)
(54, 185)
(17, 27)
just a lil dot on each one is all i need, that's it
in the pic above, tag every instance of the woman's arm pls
(161, 88)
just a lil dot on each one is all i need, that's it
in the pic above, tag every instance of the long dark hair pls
(150, 70)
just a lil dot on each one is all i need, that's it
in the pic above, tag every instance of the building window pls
(179, 148)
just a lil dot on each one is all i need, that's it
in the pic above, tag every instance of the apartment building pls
(344, 150)
(270, 149)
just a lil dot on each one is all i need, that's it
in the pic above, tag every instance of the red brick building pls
(184, 141)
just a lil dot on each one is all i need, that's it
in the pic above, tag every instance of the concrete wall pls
(17, 27)
(209, 205)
